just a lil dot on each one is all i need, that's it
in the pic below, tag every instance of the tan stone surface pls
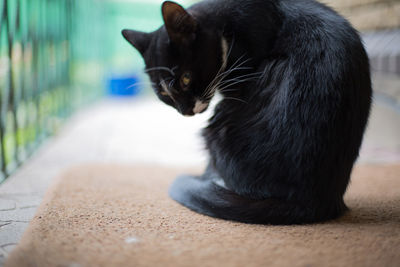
(352, 3)
(374, 17)
(369, 14)
(112, 215)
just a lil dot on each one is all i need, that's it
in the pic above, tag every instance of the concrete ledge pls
(369, 14)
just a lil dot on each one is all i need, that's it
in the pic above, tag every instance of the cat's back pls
(308, 23)
(282, 26)
(322, 52)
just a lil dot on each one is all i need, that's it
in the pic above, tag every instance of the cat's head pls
(182, 59)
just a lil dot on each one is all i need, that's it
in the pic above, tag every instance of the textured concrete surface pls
(88, 219)
(141, 131)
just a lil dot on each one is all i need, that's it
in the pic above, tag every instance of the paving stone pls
(2, 259)
(20, 215)
(11, 233)
(4, 223)
(27, 201)
(8, 247)
(7, 204)
(14, 200)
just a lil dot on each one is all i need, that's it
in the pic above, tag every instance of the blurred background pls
(59, 55)
(64, 59)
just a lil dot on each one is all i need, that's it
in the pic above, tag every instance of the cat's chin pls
(191, 114)
(199, 107)
(187, 114)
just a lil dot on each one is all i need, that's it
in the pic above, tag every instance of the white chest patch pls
(199, 107)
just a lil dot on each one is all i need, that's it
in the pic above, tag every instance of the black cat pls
(296, 95)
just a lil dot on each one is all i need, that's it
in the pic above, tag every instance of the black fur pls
(285, 136)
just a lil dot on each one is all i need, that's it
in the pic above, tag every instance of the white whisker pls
(228, 90)
(171, 83)
(160, 68)
(238, 65)
(140, 83)
(234, 98)
(234, 83)
(249, 75)
(165, 87)
(220, 77)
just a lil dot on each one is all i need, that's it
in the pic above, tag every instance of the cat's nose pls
(185, 110)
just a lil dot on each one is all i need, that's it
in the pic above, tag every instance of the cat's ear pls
(140, 40)
(180, 25)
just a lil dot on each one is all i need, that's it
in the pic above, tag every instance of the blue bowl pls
(124, 86)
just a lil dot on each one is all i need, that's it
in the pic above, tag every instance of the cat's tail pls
(207, 197)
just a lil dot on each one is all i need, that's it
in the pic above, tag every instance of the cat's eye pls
(186, 79)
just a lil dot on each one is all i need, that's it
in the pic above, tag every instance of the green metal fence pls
(49, 65)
